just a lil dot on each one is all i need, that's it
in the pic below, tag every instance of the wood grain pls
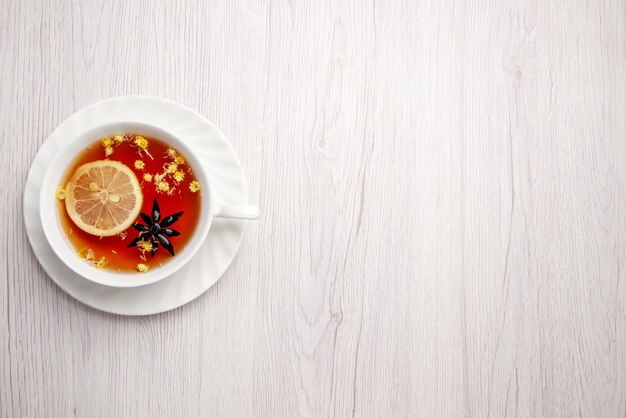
(443, 197)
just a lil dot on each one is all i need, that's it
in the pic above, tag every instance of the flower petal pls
(140, 227)
(165, 242)
(146, 219)
(134, 242)
(168, 220)
(156, 212)
(170, 232)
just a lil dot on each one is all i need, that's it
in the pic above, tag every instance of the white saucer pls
(216, 254)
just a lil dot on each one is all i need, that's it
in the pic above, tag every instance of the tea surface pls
(164, 175)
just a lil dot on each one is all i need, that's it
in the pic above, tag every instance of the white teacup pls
(57, 237)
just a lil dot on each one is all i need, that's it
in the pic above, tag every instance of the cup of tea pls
(128, 203)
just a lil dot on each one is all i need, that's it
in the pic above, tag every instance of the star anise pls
(156, 231)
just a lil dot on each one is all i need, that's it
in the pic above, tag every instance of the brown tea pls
(129, 203)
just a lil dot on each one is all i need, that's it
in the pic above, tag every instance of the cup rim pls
(50, 216)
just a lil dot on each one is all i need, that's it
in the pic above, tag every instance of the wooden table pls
(443, 197)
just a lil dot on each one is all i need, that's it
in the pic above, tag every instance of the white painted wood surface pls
(443, 196)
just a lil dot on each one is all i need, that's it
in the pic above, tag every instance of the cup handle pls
(237, 212)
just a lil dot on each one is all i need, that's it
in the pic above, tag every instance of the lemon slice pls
(103, 198)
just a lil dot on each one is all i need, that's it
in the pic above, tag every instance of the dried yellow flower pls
(180, 160)
(179, 176)
(194, 186)
(102, 263)
(145, 245)
(142, 268)
(139, 165)
(86, 253)
(108, 151)
(147, 177)
(172, 167)
(61, 193)
(141, 142)
(171, 152)
(163, 186)
(118, 138)
(106, 142)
